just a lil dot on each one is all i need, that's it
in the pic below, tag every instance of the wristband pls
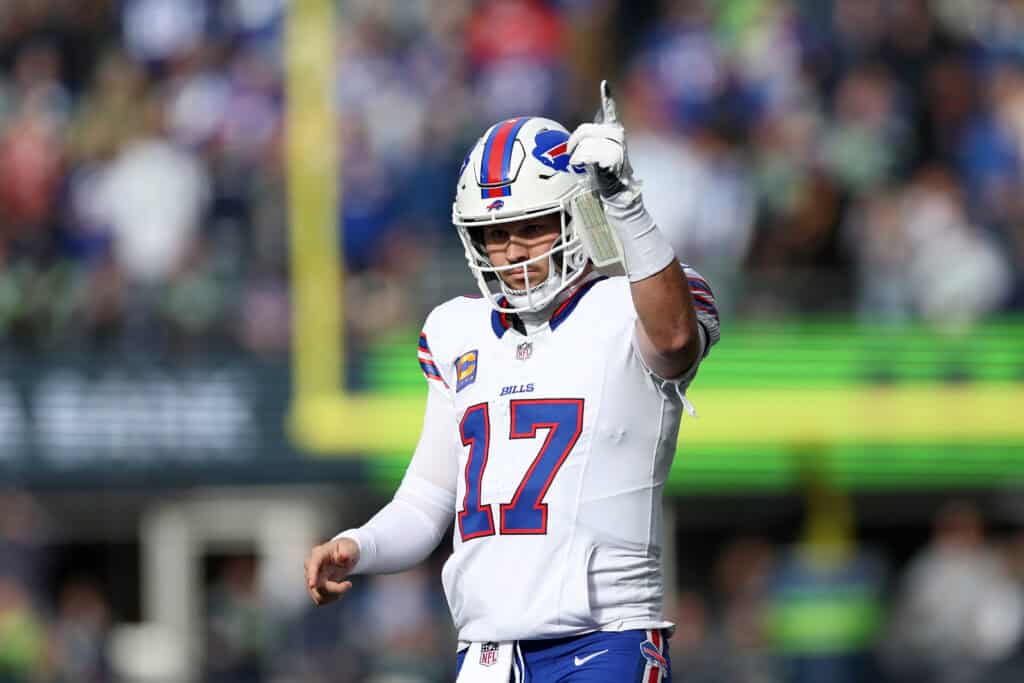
(645, 249)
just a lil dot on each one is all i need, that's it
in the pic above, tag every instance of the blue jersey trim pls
(500, 323)
(563, 312)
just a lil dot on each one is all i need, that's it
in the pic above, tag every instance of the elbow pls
(676, 342)
(672, 351)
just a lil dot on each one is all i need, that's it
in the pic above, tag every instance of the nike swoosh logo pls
(580, 661)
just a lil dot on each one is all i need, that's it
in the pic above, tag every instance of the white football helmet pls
(520, 168)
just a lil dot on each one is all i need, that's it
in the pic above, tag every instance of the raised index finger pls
(609, 113)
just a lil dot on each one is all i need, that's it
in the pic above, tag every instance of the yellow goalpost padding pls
(312, 163)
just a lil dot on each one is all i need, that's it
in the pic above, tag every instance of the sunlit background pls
(222, 223)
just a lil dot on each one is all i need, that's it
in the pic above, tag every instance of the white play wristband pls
(645, 249)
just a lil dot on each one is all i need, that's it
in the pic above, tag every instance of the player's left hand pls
(326, 568)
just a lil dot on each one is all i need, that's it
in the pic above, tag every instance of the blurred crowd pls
(822, 605)
(808, 155)
(856, 156)
(827, 609)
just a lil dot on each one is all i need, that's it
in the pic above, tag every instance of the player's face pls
(519, 241)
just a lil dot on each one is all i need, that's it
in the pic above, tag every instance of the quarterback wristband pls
(645, 248)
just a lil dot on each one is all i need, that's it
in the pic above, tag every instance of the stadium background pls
(207, 349)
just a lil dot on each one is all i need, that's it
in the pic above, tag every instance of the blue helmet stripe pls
(505, 151)
(509, 143)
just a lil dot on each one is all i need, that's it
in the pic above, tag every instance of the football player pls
(553, 410)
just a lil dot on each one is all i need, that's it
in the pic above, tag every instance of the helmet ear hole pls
(578, 259)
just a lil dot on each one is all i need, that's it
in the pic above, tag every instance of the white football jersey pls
(564, 442)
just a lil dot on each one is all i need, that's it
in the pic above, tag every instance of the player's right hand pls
(601, 147)
(326, 568)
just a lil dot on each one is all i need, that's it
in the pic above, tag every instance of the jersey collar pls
(503, 322)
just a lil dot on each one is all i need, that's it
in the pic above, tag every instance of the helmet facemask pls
(566, 259)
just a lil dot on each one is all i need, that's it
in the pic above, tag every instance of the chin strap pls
(521, 300)
(528, 321)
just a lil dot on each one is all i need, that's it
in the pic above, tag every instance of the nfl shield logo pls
(524, 351)
(488, 654)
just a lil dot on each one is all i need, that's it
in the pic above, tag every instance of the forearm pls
(666, 320)
(406, 530)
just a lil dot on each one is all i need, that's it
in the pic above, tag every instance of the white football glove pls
(601, 147)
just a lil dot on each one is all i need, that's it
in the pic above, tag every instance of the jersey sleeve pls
(437, 373)
(437, 454)
(406, 530)
(707, 328)
(704, 304)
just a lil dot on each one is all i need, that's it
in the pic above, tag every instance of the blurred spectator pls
(874, 230)
(310, 646)
(958, 292)
(958, 610)
(739, 640)
(1011, 551)
(824, 606)
(693, 660)
(403, 637)
(22, 634)
(990, 155)
(377, 304)
(24, 535)
(697, 189)
(951, 94)
(868, 137)
(140, 144)
(239, 629)
(79, 635)
(903, 245)
(155, 30)
(30, 148)
(848, 32)
(265, 316)
(523, 72)
(152, 198)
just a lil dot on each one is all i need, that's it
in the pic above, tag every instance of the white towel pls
(487, 663)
